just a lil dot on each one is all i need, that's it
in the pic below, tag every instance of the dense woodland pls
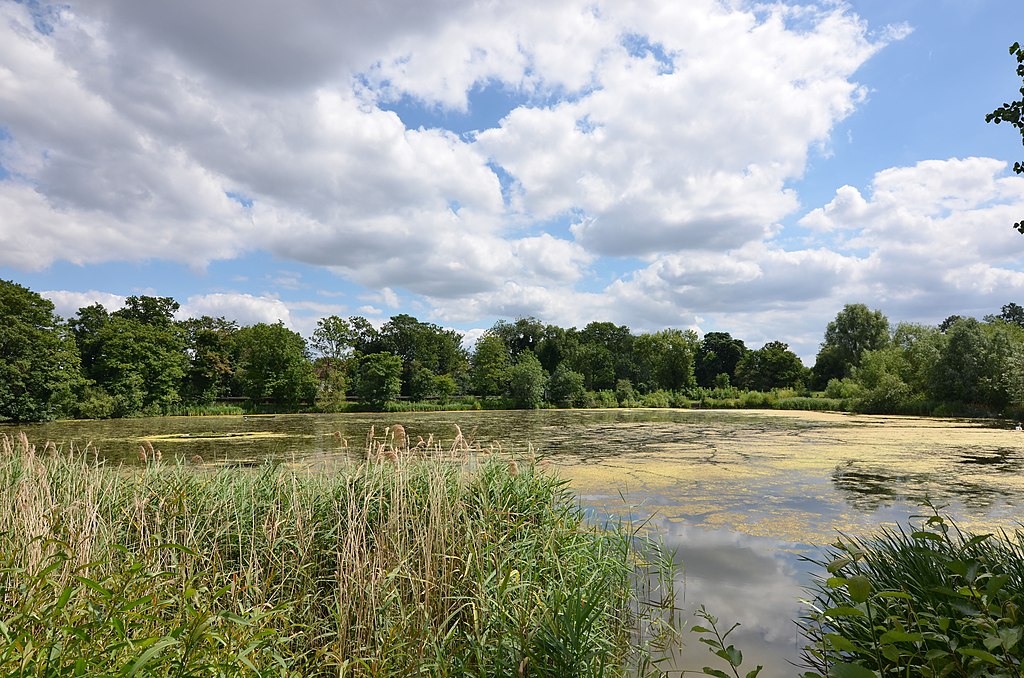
(139, 360)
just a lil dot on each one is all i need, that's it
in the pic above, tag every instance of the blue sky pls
(721, 166)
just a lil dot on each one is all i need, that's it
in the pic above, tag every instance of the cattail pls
(399, 436)
(196, 459)
(390, 455)
(157, 454)
(50, 448)
(513, 468)
(143, 457)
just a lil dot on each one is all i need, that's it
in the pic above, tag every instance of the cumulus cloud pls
(131, 132)
(67, 302)
(245, 309)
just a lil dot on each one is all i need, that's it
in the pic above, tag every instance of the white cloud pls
(672, 132)
(67, 302)
(246, 309)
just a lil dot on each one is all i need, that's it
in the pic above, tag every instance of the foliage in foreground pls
(934, 602)
(396, 566)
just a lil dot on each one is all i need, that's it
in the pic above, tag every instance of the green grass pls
(436, 565)
(933, 601)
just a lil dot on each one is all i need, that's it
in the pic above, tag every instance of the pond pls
(742, 495)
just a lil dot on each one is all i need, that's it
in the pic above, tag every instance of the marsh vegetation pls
(415, 561)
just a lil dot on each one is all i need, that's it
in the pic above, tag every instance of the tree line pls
(139, 360)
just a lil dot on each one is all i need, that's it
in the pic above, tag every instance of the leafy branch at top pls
(1012, 113)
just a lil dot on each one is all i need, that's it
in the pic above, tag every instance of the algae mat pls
(799, 477)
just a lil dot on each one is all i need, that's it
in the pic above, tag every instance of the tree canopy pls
(39, 363)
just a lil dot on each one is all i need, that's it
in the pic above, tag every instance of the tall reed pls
(423, 559)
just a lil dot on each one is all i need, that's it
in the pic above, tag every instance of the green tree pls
(524, 334)
(597, 365)
(972, 363)
(210, 347)
(490, 366)
(881, 376)
(1012, 113)
(39, 361)
(334, 340)
(556, 346)
(421, 345)
(445, 387)
(526, 382)
(137, 354)
(1012, 313)
(85, 327)
(565, 387)
(154, 311)
(274, 365)
(379, 379)
(856, 329)
(771, 366)
(718, 353)
(617, 342)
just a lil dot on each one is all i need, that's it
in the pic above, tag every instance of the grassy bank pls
(441, 564)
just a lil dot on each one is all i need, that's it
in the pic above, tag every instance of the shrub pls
(932, 602)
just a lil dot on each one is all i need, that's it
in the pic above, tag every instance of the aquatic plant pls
(934, 601)
(421, 559)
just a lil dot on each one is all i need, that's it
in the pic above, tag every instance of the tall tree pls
(771, 366)
(1012, 313)
(274, 365)
(422, 345)
(39, 362)
(856, 329)
(210, 347)
(718, 353)
(1013, 113)
(526, 381)
(334, 340)
(379, 379)
(491, 363)
(524, 334)
(141, 365)
(155, 311)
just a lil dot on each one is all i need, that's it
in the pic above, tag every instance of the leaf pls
(900, 637)
(902, 595)
(838, 564)
(754, 673)
(921, 534)
(995, 583)
(851, 671)
(859, 587)
(841, 643)
(980, 654)
(715, 672)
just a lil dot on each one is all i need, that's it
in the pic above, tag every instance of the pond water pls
(742, 495)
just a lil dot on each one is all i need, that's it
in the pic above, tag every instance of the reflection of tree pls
(870, 487)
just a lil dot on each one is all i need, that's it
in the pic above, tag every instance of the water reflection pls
(757, 581)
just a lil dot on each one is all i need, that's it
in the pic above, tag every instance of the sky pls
(716, 165)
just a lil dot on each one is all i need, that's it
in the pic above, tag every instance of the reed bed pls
(422, 559)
